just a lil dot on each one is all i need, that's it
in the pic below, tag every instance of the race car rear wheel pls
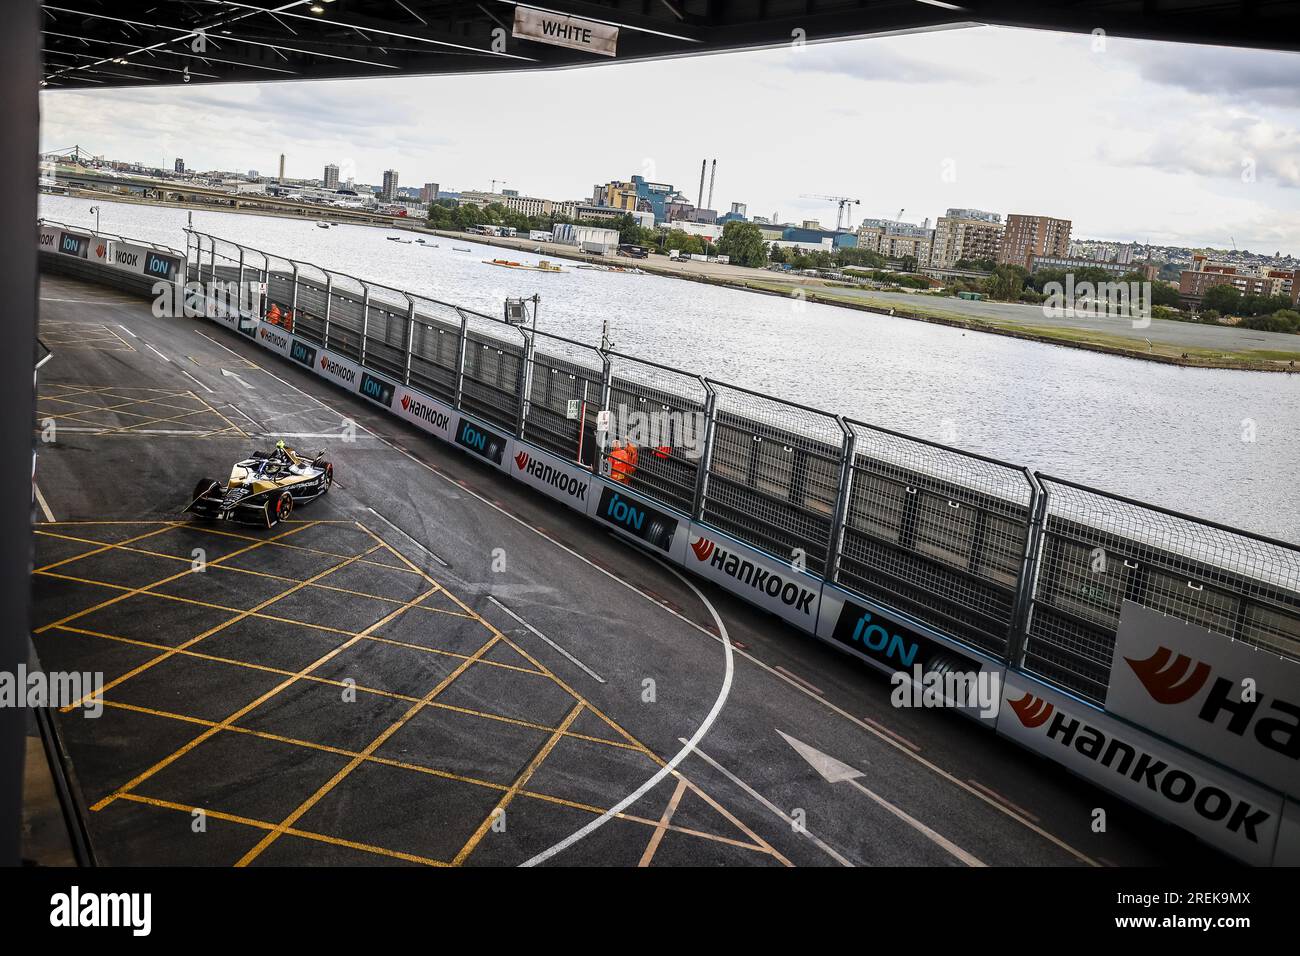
(328, 480)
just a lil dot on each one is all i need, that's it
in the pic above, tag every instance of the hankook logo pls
(1170, 683)
(760, 579)
(340, 371)
(576, 488)
(1032, 711)
(425, 412)
(275, 338)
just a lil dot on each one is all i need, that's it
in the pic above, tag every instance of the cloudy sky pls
(1148, 141)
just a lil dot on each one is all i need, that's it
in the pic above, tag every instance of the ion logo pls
(894, 646)
(1032, 711)
(376, 389)
(303, 354)
(760, 579)
(74, 245)
(480, 441)
(163, 267)
(650, 525)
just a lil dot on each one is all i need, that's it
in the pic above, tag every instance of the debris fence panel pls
(1099, 550)
(958, 541)
(655, 442)
(773, 475)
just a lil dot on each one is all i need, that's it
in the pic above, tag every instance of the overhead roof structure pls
(93, 44)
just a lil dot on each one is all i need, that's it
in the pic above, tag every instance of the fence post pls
(706, 458)
(460, 356)
(606, 390)
(365, 319)
(840, 518)
(329, 300)
(410, 336)
(212, 262)
(293, 299)
(239, 283)
(525, 381)
(1034, 535)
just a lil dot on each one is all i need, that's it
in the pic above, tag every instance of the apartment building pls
(1029, 236)
(966, 234)
(1204, 275)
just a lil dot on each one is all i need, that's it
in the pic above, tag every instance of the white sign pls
(564, 481)
(757, 578)
(573, 408)
(425, 413)
(273, 337)
(1221, 808)
(602, 420)
(543, 27)
(1230, 701)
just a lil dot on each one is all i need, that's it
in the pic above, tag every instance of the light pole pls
(95, 210)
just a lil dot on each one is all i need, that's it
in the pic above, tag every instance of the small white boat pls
(459, 249)
(322, 225)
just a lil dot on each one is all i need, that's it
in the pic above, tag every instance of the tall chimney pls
(712, 176)
(282, 167)
(699, 203)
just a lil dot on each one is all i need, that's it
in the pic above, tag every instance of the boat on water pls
(542, 266)
(461, 249)
(322, 225)
(629, 270)
(399, 239)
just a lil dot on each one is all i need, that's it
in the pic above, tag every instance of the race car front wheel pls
(279, 509)
(328, 480)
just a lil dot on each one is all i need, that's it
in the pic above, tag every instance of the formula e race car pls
(263, 488)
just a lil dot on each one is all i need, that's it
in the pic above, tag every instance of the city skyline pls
(1211, 161)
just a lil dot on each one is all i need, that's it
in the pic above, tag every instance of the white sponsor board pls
(273, 337)
(1230, 812)
(649, 524)
(566, 482)
(124, 255)
(893, 642)
(1230, 701)
(541, 26)
(424, 412)
(760, 579)
(47, 239)
(337, 369)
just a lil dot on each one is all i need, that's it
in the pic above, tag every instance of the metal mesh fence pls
(774, 473)
(937, 533)
(564, 371)
(435, 349)
(1099, 550)
(386, 332)
(347, 308)
(308, 319)
(656, 437)
(493, 376)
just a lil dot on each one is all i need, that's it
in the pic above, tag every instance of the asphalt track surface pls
(431, 665)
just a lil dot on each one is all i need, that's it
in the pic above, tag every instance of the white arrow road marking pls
(835, 771)
(229, 374)
(671, 765)
(538, 633)
(829, 851)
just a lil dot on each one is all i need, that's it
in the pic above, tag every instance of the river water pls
(1222, 445)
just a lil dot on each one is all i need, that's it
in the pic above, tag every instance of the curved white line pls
(682, 754)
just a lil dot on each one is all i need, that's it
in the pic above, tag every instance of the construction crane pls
(899, 217)
(844, 216)
(494, 184)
